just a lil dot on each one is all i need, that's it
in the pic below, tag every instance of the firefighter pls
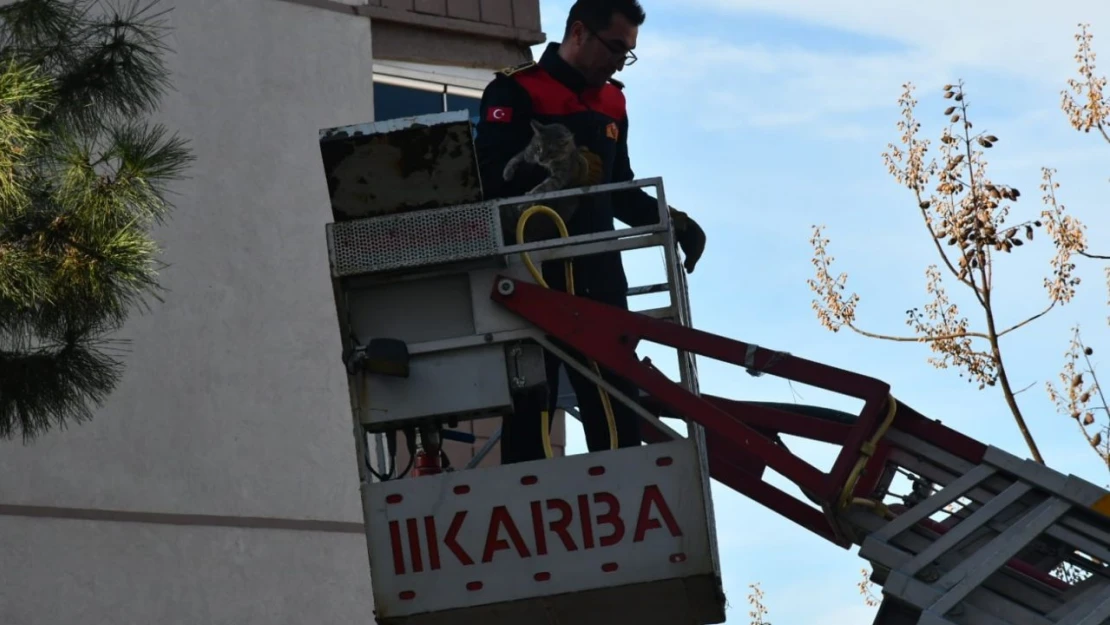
(572, 84)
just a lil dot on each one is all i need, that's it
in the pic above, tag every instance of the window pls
(396, 96)
(458, 102)
(392, 101)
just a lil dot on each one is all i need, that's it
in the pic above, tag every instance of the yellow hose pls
(867, 449)
(569, 267)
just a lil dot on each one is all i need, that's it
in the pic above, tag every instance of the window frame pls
(447, 81)
(458, 81)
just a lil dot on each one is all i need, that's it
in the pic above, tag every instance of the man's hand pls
(591, 170)
(691, 238)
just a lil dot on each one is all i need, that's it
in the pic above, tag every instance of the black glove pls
(691, 238)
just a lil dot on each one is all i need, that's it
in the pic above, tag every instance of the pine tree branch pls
(53, 385)
(83, 176)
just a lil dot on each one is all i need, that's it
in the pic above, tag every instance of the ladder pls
(1009, 526)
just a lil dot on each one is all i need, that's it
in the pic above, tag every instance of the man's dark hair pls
(597, 14)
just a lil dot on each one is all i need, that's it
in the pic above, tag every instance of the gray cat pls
(553, 148)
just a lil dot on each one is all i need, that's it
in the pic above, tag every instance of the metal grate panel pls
(414, 239)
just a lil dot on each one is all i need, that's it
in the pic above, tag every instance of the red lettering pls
(537, 529)
(395, 543)
(414, 545)
(560, 526)
(584, 516)
(451, 540)
(501, 518)
(654, 497)
(611, 518)
(433, 542)
(503, 533)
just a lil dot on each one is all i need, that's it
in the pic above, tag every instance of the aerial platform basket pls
(416, 256)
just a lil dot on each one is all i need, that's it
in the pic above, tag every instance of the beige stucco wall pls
(234, 400)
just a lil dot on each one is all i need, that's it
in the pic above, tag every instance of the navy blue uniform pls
(553, 91)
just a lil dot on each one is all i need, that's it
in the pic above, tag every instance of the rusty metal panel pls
(526, 14)
(497, 12)
(400, 165)
(465, 9)
(431, 7)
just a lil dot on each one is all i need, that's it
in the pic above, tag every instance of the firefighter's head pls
(600, 36)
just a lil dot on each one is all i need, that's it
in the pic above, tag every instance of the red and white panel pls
(534, 530)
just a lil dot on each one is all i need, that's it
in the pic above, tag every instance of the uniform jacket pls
(553, 91)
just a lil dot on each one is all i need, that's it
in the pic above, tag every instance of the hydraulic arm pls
(1011, 525)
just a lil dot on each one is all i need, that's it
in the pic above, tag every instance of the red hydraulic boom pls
(739, 434)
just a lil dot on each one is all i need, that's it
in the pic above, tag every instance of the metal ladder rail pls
(1016, 504)
(936, 465)
(1087, 536)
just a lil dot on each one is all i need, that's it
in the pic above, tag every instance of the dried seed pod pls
(1088, 351)
(992, 138)
(1088, 419)
(1096, 440)
(950, 110)
(955, 118)
(1029, 232)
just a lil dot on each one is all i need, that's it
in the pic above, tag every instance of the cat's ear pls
(537, 126)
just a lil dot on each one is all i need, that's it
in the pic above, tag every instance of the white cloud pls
(753, 84)
(1025, 37)
(756, 85)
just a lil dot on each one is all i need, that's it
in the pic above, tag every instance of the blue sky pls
(765, 117)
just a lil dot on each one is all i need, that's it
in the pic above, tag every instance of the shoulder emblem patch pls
(509, 71)
(612, 131)
(499, 114)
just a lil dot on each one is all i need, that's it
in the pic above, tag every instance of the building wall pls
(218, 484)
(467, 33)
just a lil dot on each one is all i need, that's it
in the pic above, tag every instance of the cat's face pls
(554, 140)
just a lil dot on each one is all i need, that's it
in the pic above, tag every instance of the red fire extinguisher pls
(428, 459)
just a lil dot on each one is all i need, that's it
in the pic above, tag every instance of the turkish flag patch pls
(502, 114)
